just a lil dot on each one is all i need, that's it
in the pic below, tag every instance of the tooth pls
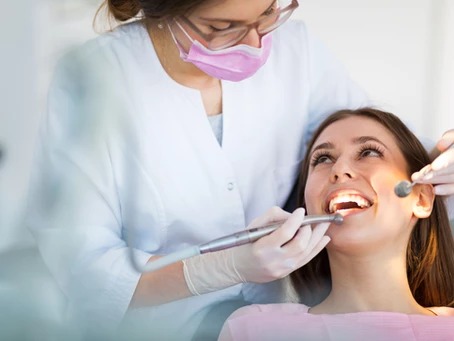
(360, 201)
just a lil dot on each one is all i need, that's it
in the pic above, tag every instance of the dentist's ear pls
(425, 196)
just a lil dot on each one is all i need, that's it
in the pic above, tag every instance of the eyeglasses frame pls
(247, 28)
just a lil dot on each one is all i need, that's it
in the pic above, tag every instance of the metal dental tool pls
(232, 240)
(251, 235)
(404, 187)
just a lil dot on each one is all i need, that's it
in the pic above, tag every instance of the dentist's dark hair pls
(430, 250)
(123, 10)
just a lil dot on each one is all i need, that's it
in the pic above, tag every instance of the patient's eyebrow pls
(355, 140)
(365, 139)
(324, 145)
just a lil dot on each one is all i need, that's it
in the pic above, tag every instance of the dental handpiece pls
(253, 234)
(232, 240)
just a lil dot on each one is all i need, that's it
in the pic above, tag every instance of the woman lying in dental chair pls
(388, 271)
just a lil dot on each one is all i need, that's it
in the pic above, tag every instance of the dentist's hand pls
(442, 168)
(284, 250)
(271, 257)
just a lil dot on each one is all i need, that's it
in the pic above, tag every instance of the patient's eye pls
(321, 157)
(370, 151)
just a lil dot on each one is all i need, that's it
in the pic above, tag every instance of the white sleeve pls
(73, 209)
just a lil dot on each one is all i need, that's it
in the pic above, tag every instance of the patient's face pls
(355, 164)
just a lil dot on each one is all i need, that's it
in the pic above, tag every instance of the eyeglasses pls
(222, 39)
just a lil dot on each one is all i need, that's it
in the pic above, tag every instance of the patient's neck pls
(369, 283)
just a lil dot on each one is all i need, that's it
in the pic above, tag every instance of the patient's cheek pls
(310, 200)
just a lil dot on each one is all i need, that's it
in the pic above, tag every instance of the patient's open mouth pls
(344, 202)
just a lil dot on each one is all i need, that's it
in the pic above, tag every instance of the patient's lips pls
(347, 202)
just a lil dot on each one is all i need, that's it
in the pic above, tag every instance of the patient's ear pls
(425, 196)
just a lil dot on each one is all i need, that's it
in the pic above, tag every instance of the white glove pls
(288, 248)
(272, 257)
(442, 174)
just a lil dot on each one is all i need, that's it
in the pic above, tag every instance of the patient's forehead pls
(349, 128)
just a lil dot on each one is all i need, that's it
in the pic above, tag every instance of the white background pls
(400, 51)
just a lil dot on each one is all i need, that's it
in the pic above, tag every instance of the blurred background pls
(400, 51)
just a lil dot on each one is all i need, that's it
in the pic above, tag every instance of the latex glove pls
(442, 168)
(272, 257)
(284, 250)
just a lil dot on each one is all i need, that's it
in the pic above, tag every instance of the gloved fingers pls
(445, 189)
(446, 140)
(274, 214)
(445, 161)
(301, 240)
(277, 254)
(434, 176)
(439, 178)
(417, 176)
(306, 240)
(440, 171)
(315, 251)
(287, 231)
(306, 256)
(317, 234)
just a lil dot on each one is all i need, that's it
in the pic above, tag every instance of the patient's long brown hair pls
(430, 250)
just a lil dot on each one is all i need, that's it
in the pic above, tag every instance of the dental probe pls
(404, 187)
(232, 240)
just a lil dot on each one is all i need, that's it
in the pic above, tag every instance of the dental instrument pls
(404, 187)
(232, 240)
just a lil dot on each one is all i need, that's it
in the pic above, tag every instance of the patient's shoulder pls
(254, 309)
(443, 311)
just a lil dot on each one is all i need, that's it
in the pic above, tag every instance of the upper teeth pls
(359, 200)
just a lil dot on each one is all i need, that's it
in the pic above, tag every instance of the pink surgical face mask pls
(234, 63)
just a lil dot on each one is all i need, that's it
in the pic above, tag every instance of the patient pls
(388, 271)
